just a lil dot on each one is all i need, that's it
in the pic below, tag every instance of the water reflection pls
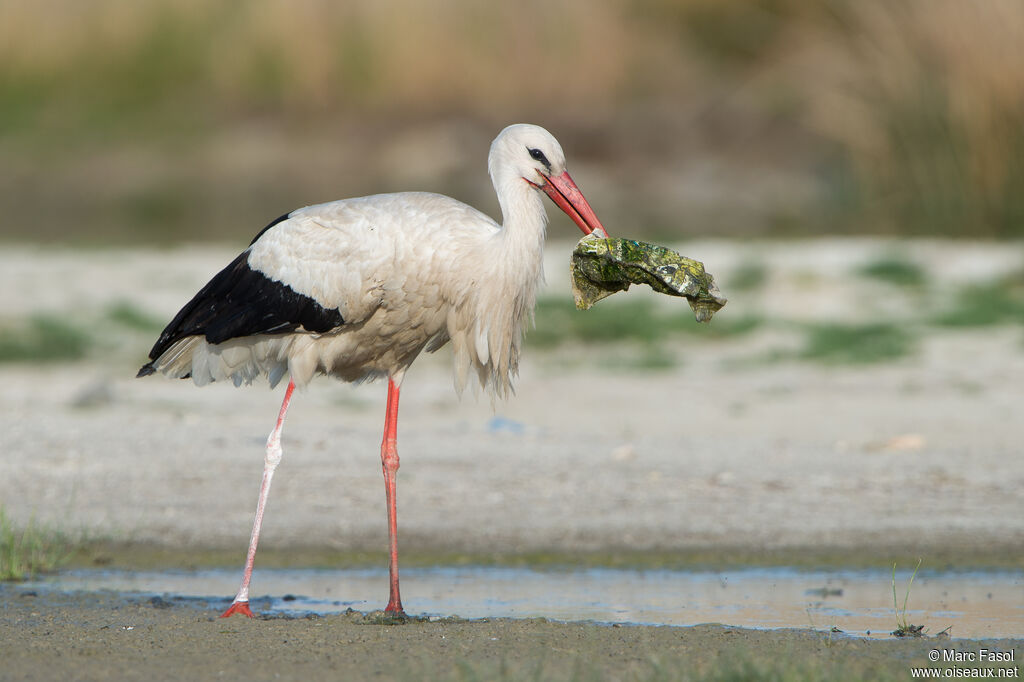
(972, 604)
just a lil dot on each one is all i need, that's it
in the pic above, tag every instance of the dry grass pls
(927, 99)
(703, 116)
(335, 58)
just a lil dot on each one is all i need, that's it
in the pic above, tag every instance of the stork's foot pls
(394, 607)
(388, 617)
(241, 607)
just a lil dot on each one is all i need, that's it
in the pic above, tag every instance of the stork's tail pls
(240, 360)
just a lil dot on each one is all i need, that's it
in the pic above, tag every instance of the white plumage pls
(357, 289)
(406, 271)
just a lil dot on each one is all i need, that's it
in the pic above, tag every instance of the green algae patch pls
(601, 267)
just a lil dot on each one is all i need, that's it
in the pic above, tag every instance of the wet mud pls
(93, 636)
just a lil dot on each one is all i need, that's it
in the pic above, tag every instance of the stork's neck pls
(524, 221)
(486, 331)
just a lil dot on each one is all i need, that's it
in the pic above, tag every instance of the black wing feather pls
(240, 301)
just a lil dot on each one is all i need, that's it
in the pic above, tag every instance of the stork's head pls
(524, 152)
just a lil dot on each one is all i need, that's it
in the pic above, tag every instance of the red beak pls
(568, 197)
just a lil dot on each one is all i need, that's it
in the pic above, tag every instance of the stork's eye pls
(539, 156)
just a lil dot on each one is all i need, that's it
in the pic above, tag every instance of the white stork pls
(357, 288)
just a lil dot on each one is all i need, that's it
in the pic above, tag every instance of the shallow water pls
(972, 604)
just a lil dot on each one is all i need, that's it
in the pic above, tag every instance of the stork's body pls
(370, 282)
(358, 288)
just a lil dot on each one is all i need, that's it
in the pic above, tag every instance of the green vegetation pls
(634, 331)
(30, 551)
(43, 338)
(981, 305)
(51, 337)
(856, 343)
(635, 319)
(129, 315)
(644, 328)
(903, 627)
(894, 270)
(558, 322)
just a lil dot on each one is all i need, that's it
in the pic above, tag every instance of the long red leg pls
(270, 462)
(389, 462)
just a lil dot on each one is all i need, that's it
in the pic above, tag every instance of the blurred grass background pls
(162, 121)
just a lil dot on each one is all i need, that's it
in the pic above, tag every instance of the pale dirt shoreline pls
(721, 450)
(910, 454)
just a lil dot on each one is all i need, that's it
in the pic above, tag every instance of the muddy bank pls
(135, 556)
(93, 636)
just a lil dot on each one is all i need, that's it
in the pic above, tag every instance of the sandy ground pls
(921, 453)
(778, 456)
(917, 457)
